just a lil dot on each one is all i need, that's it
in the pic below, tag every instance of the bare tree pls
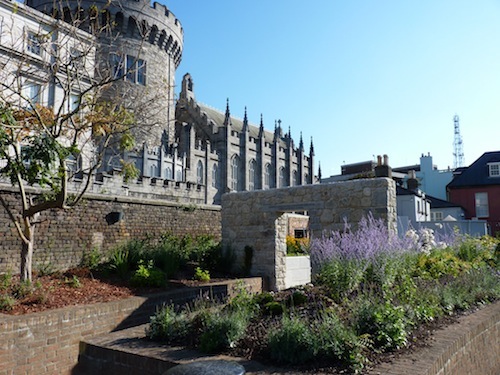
(58, 114)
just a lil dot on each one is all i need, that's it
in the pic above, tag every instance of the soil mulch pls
(78, 286)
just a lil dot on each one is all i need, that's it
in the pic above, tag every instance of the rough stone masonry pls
(259, 218)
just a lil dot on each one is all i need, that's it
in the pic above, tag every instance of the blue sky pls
(362, 78)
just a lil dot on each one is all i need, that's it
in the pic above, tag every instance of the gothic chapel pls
(185, 151)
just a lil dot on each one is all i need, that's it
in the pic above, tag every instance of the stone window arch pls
(105, 18)
(215, 175)
(282, 178)
(168, 173)
(252, 175)
(119, 20)
(235, 173)
(199, 173)
(132, 29)
(152, 34)
(67, 17)
(267, 176)
(295, 178)
(178, 174)
(153, 170)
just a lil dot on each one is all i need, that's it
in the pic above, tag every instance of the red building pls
(477, 189)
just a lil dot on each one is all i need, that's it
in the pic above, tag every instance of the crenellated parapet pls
(136, 19)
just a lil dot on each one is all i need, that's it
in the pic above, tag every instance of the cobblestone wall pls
(63, 237)
(258, 218)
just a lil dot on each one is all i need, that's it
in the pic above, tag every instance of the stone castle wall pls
(63, 237)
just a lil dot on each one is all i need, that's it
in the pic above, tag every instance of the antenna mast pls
(458, 151)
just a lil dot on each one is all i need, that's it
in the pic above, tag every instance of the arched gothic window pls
(215, 176)
(199, 173)
(152, 170)
(267, 176)
(252, 175)
(235, 173)
(119, 21)
(295, 178)
(178, 174)
(152, 34)
(168, 173)
(282, 179)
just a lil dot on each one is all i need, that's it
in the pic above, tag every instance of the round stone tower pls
(139, 46)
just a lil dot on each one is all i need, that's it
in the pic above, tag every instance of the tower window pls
(135, 69)
(33, 43)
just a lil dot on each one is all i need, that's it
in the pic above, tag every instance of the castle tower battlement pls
(155, 23)
(140, 42)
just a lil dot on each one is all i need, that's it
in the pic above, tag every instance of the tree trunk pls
(26, 260)
(27, 250)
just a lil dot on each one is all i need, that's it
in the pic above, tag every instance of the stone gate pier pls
(258, 219)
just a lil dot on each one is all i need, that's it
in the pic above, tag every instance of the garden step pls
(129, 352)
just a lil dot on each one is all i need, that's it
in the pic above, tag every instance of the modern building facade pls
(477, 189)
(431, 180)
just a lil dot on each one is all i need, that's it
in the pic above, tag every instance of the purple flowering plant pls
(372, 240)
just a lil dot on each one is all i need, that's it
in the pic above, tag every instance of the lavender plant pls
(371, 239)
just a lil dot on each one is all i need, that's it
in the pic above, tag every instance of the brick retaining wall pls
(47, 342)
(469, 347)
(64, 236)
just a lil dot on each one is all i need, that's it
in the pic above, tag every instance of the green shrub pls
(292, 343)
(6, 302)
(119, 263)
(384, 322)
(223, 330)
(91, 259)
(201, 275)
(74, 282)
(333, 339)
(297, 298)
(137, 250)
(168, 258)
(341, 278)
(148, 275)
(470, 250)
(273, 308)
(168, 325)
(45, 268)
(219, 259)
(5, 281)
(243, 300)
(439, 263)
(22, 289)
(263, 298)
(475, 287)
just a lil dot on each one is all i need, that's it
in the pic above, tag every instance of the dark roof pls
(237, 124)
(477, 174)
(404, 191)
(440, 203)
